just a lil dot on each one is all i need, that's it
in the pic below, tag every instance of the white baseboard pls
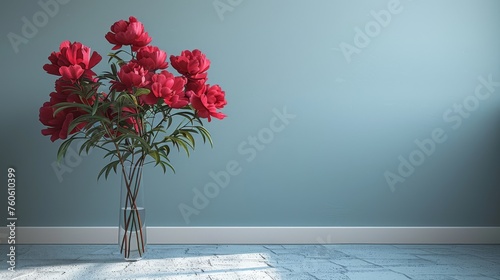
(262, 235)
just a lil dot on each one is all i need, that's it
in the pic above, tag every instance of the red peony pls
(58, 125)
(170, 88)
(128, 33)
(207, 103)
(216, 96)
(131, 75)
(73, 61)
(193, 64)
(196, 87)
(64, 87)
(152, 58)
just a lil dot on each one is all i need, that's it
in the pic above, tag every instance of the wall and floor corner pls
(266, 235)
(369, 122)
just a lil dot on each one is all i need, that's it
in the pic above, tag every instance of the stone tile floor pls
(220, 262)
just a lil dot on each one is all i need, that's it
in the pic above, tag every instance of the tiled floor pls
(211, 262)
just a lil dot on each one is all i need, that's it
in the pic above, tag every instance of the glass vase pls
(132, 226)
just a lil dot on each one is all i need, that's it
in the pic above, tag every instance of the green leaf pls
(70, 105)
(164, 151)
(189, 137)
(141, 91)
(155, 155)
(86, 146)
(191, 130)
(135, 140)
(113, 153)
(205, 134)
(63, 148)
(115, 56)
(163, 166)
(180, 143)
(107, 169)
(114, 70)
(167, 164)
(94, 108)
(169, 122)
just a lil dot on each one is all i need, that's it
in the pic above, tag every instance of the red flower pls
(207, 103)
(131, 75)
(64, 87)
(216, 96)
(73, 61)
(193, 64)
(145, 71)
(152, 58)
(196, 87)
(165, 85)
(58, 125)
(128, 33)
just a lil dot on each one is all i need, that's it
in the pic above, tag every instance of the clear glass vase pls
(132, 226)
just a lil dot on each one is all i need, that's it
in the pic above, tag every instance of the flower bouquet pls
(145, 113)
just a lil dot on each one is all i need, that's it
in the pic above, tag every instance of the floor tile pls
(268, 262)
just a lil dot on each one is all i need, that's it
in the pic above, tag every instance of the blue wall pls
(340, 113)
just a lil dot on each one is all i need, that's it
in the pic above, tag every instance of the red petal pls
(73, 72)
(94, 59)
